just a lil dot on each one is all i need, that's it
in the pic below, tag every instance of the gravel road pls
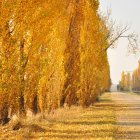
(127, 108)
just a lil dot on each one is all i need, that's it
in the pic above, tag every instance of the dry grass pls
(94, 123)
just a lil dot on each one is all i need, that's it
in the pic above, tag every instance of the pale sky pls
(124, 12)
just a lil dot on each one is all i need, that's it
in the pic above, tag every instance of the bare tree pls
(114, 32)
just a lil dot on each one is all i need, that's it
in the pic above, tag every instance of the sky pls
(124, 12)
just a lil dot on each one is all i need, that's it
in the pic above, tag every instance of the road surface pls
(127, 109)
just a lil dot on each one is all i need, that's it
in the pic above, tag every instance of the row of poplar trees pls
(52, 52)
(125, 83)
(136, 79)
(130, 82)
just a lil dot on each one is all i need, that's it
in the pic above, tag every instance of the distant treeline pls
(130, 82)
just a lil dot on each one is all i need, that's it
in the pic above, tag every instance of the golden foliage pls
(136, 79)
(130, 82)
(51, 55)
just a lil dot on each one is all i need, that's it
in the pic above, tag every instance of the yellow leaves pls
(135, 80)
(61, 58)
(125, 82)
(95, 75)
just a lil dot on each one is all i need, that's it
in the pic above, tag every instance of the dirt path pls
(127, 107)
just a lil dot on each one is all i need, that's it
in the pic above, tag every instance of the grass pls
(94, 123)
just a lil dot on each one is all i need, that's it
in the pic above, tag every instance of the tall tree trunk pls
(5, 75)
(35, 105)
(72, 55)
(21, 79)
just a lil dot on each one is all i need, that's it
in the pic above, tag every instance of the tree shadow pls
(128, 135)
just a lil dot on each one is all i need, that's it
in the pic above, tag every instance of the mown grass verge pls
(94, 123)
